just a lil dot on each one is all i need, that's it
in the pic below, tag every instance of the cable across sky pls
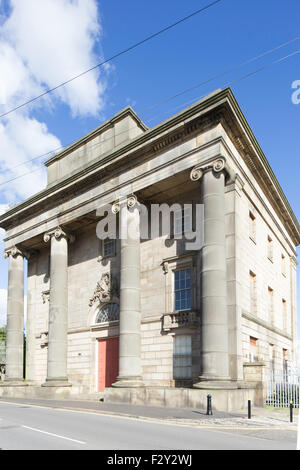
(115, 56)
(243, 77)
(187, 90)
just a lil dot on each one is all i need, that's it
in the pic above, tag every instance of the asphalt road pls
(26, 427)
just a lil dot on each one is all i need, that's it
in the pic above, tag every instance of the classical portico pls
(147, 319)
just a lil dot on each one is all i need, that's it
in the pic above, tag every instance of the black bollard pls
(291, 411)
(249, 409)
(209, 409)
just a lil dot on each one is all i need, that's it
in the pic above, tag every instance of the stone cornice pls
(265, 324)
(218, 140)
(223, 107)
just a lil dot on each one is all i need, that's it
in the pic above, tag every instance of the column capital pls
(130, 200)
(58, 233)
(217, 165)
(15, 251)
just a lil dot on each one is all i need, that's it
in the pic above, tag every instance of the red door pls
(108, 362)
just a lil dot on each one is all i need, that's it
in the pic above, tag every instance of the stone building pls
(147, 319)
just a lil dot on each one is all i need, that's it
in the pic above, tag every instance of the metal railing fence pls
(282, 388)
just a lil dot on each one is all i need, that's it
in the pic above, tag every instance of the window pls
(272, 358)
(252, 226)
(284, 315)
(182, 357)
(109, 312)
(285, 360)
(283, 265)
(183, 221)
(270, 248)
(270, 305)
(48, 266)
(253, 349)
(182, 290)
(252, 293)
(108, 247)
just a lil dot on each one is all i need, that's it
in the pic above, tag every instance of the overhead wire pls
(243, 77)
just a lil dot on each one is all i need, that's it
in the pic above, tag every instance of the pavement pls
(32, 424)
(260, 417)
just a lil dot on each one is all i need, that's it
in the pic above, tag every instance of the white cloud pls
(41, 45)
(55, 39)
(16, 80)
(21, 138)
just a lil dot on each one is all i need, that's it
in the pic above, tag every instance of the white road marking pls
(52, 434)
(166, 422)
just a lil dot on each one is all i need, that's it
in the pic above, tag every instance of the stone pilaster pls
(214, 315)
(130, 371)
(15, 317)
(58, 309)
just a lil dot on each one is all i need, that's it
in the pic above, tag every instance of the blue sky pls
(35, 44)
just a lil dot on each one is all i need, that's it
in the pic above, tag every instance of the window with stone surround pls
(253, 307)
(284, 315)
(109, 248)
(283, 265)
(48, 266)
(270, 248)
(253, 349)
(270, 305)
(271, 358)
(182, 357)
(285, 360)
(252, 226)
(186, 281)
(108, 312)
(182, 290)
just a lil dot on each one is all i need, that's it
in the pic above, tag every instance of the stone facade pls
(243, 280)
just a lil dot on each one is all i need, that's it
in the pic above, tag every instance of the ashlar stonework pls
(146, 320)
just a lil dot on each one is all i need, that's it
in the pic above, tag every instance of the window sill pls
(254, 364)
(105, 258)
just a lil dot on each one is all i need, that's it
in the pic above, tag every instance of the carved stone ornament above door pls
(106, 290)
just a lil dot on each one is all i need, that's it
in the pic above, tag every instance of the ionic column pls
(214, 317)
(130, 371)
(30, 318)
(58, 310)
(15, 317)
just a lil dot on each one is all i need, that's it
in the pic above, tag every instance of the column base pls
(215, 384)
(128, 382)
(57, 382)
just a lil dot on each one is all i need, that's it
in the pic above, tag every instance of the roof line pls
(102, 127)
